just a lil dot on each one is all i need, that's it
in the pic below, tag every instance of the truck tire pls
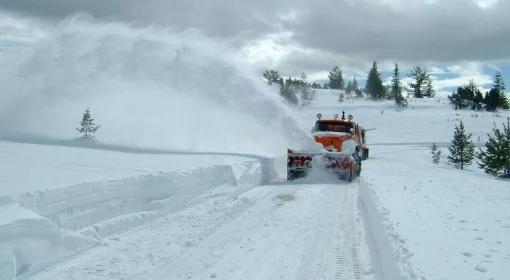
(365, 154)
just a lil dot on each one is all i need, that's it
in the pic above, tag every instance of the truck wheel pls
(365, 154)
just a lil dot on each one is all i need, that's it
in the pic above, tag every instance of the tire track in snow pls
(279, 232)
(348, 248)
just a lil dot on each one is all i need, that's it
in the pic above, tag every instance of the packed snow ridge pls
(71, 219)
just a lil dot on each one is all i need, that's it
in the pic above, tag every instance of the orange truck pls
(344, 143)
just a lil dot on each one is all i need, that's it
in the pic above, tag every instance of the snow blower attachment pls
(344, 148)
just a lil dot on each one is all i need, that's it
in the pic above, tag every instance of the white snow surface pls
(32, 167)
(268, 232)
(111, 215)
(439, 222)
(330, 134)
(65, 200)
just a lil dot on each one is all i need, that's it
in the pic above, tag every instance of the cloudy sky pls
(457, 40)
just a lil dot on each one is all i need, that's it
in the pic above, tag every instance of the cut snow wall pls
(79, 206)
(384, 257)
(69, 220)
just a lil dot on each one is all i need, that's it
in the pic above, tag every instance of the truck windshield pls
(333, 126)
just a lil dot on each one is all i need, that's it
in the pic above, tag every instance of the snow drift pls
(69, 220)
(147, 87)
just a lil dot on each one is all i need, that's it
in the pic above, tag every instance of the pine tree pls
(316, 85)
(341, 97)
(357, 91)
(272, 76)
(374, 87)
(288, 91)
(462, 149)
(396, 88)
(349, 89)
(87, 126)
(467, 96)
(436, 153)
(418, 85)
(429, 89)
(495, 98)
(336, 80)
(304, 77)
(387, 92)
(495, 160)
(478, 101)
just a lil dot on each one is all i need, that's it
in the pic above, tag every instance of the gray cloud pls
(444, 31)
(335, 32)
(223, 18)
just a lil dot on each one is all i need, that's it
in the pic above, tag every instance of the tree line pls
(469, 96)
(294, 90)
(420, 85)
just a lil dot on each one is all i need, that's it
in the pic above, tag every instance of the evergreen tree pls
(467, 96)
(87, 126)
(272, 76)
(287, 91)
(436, 153)
(303, 77)
(336, 80)
(396, 88)
(374, 87)
(429, 89)
(387, 91)
(455, 99)
(418, 85)
(495, 98)
(341, 97)
(316, 85)
(357, 90)
(349, 89)
(495, 160)
(462, 149)
(477, 101)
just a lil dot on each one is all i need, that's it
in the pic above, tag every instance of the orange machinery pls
(344, 143)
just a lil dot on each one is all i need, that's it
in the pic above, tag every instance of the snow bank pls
(66, 221)
(31, 167)
(29, 242)
(441, 223)
(381, 248)
(147, 87)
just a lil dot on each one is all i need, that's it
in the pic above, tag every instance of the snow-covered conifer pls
(374, 86)
(462, 149)
(396, 88)
(436, 153)
(336, 80)
(495, 159)
(87, 125)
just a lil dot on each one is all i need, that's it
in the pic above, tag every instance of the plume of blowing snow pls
(146, 87)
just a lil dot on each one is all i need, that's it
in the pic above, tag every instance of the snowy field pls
(119, 215)
(443, 223)
(32, 167)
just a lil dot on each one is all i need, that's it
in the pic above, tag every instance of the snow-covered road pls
(297, 231)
